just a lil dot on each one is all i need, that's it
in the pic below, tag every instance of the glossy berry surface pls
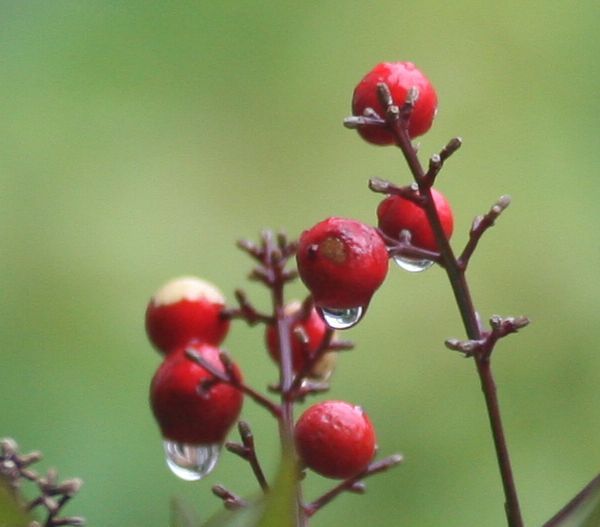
(342, 262)
(335, 439)
(400, 77)
(307, 335)
(185, 412)
(184, 310)
(396, 214)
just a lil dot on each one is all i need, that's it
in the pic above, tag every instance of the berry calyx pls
(397, 213)
(190, 405)
(184, 310)
(400, 78)
(342, 262)
(335, 439)
(307, 336)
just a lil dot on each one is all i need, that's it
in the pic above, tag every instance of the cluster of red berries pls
(195, 410)
(342, 262)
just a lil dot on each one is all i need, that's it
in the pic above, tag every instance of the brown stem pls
(310, 363)
(350, 483)
(246, 311)
(275, 254)
(397, 122)
(231, 500)
(584, 495)
(258, 397)
(247, 451)
(480, 225)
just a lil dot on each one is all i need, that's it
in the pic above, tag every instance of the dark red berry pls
(184, 310)
(189, 404)
(396, 214)
(307, 335)
(400, 78)
(335, 439)
(342, 262)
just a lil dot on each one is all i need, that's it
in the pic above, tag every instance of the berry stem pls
(258, 397)
(397, 121)
(323, 348)
(351, 484)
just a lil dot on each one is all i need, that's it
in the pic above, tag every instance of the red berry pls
(400, 77)
(335, 439)
(184, 310)
(307, 335)
(396, 214)
(342, 262)
(186, 412)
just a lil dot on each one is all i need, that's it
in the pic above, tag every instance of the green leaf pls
(280, 506)
(247, 517)
(11, 515)
(582, 511)
(276, 509)
(182, 514)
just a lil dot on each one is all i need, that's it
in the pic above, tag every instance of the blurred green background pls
(140, 139)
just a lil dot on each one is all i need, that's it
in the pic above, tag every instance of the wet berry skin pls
(186, 414)
(400, 77)
(335, 439)
(313, 328)
(184, 310)
(342, 262)
(396, 214)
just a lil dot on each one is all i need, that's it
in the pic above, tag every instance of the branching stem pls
(397, 120)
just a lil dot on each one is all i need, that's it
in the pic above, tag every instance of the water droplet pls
(341, 318)
(412, 265)
(191, 462)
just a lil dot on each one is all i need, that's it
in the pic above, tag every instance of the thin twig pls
(500, 328)
(247, 451)
(231, 501)
(246, 311)
(408, 192)
(436, 162)
(53, 495)
(234, 381)
(324, 346)
(480, 225)
(558, 519)
(354, 483)
(404, 248)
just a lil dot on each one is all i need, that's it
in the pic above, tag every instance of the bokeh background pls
(140, 139)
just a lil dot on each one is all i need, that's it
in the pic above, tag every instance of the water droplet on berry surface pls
(413, 265)
(191, 462)
(341, 318)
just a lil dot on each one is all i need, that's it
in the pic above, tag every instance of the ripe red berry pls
(187, 411)
(307, 335)
(184, 310)
(400, 77)
(342, 262)
(396, 214)
(335, 439)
